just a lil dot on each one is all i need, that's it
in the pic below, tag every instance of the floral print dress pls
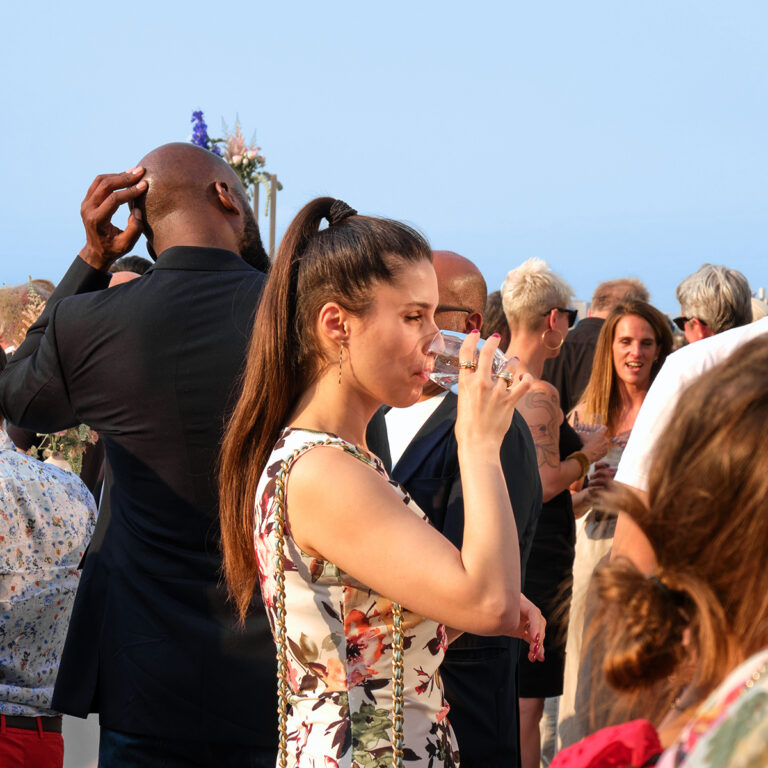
(339, 635)
(730, 729)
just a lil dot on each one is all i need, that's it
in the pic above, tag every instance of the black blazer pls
(479, 673)
(152, 366)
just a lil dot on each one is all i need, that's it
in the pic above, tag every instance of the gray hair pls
(718, 296)
(530, 291)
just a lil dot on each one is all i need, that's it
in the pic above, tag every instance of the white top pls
(679, 370)
(404, 423)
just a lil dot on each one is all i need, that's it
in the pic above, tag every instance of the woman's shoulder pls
(318, 465)
(731, 728)
(544, 387)
(541, 395)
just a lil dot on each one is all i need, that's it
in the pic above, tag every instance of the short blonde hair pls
(530, 291)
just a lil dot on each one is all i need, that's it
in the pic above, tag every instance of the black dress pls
(548, 583)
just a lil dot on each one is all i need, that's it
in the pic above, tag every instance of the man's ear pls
(701, 330)
(225, 197)
(473, 322)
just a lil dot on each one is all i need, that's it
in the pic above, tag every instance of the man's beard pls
(251, 248)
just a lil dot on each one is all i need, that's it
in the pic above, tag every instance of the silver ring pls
(470, 365)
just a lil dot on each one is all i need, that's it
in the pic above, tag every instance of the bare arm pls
(629, 541)
(541, 410)
(370, 534)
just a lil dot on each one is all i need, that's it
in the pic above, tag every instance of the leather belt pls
(49, 724)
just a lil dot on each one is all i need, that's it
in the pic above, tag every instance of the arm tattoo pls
(541, 413)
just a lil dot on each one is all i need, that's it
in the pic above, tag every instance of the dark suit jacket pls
(569, 372)
(479, 673)
(152, 367)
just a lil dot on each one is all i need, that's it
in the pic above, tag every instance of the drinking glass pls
(588, 423)
(442, 365)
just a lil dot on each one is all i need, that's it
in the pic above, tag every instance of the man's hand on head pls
(104, 242)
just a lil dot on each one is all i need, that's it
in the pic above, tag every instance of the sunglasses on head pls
(572, 314)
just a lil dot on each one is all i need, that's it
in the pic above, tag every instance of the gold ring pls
(508, 377)
(470, 365)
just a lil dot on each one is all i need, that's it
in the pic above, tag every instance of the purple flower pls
(200, 130)
(200, 134)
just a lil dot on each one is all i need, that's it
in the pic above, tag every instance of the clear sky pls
(608, 138)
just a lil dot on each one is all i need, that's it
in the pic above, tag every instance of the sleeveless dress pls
(339, 636)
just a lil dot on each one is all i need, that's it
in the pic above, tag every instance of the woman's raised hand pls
(486, 404)
(595, 445)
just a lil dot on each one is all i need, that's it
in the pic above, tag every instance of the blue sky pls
(607, 138)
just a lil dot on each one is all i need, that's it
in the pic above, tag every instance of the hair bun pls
(339, 211)
(642, 621)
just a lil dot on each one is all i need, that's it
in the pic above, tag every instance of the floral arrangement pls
(20, 306)
(69, 444)
(245, 160)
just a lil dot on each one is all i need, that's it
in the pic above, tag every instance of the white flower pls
(236, 159)
(252, 154)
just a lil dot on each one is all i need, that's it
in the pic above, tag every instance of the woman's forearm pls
(490, 548)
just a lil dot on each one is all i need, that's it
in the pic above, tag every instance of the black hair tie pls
(339, 211)
(661, 586)
(679, 599)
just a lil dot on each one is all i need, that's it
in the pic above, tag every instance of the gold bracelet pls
(583, 460)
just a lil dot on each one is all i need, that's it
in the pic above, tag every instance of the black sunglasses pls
(451, 308)
(681, 321)
(572, 314)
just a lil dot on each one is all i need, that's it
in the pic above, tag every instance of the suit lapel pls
(377, 438)
(423, 443)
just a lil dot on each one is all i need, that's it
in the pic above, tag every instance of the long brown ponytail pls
(340, 263)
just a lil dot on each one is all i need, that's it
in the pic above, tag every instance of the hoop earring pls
(544, 337)
(341, 356)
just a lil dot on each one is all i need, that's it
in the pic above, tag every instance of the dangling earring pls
(544, 337)
(341, 356)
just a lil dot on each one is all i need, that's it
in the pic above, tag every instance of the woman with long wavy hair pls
(358, 586)
(691, 640)
(633, 344)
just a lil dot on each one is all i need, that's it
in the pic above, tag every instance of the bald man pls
(151, 366)
(418, 446)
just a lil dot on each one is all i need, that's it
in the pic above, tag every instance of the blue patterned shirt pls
(47, 517)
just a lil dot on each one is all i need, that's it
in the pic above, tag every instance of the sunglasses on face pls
(681, 321)
(450, 308)
(572, 314)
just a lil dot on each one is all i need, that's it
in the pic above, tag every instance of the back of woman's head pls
(602, 395)
(707, 525)
(341, 263)
(530, 291)
(494, 319)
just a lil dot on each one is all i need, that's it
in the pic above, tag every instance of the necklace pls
(756, 675)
